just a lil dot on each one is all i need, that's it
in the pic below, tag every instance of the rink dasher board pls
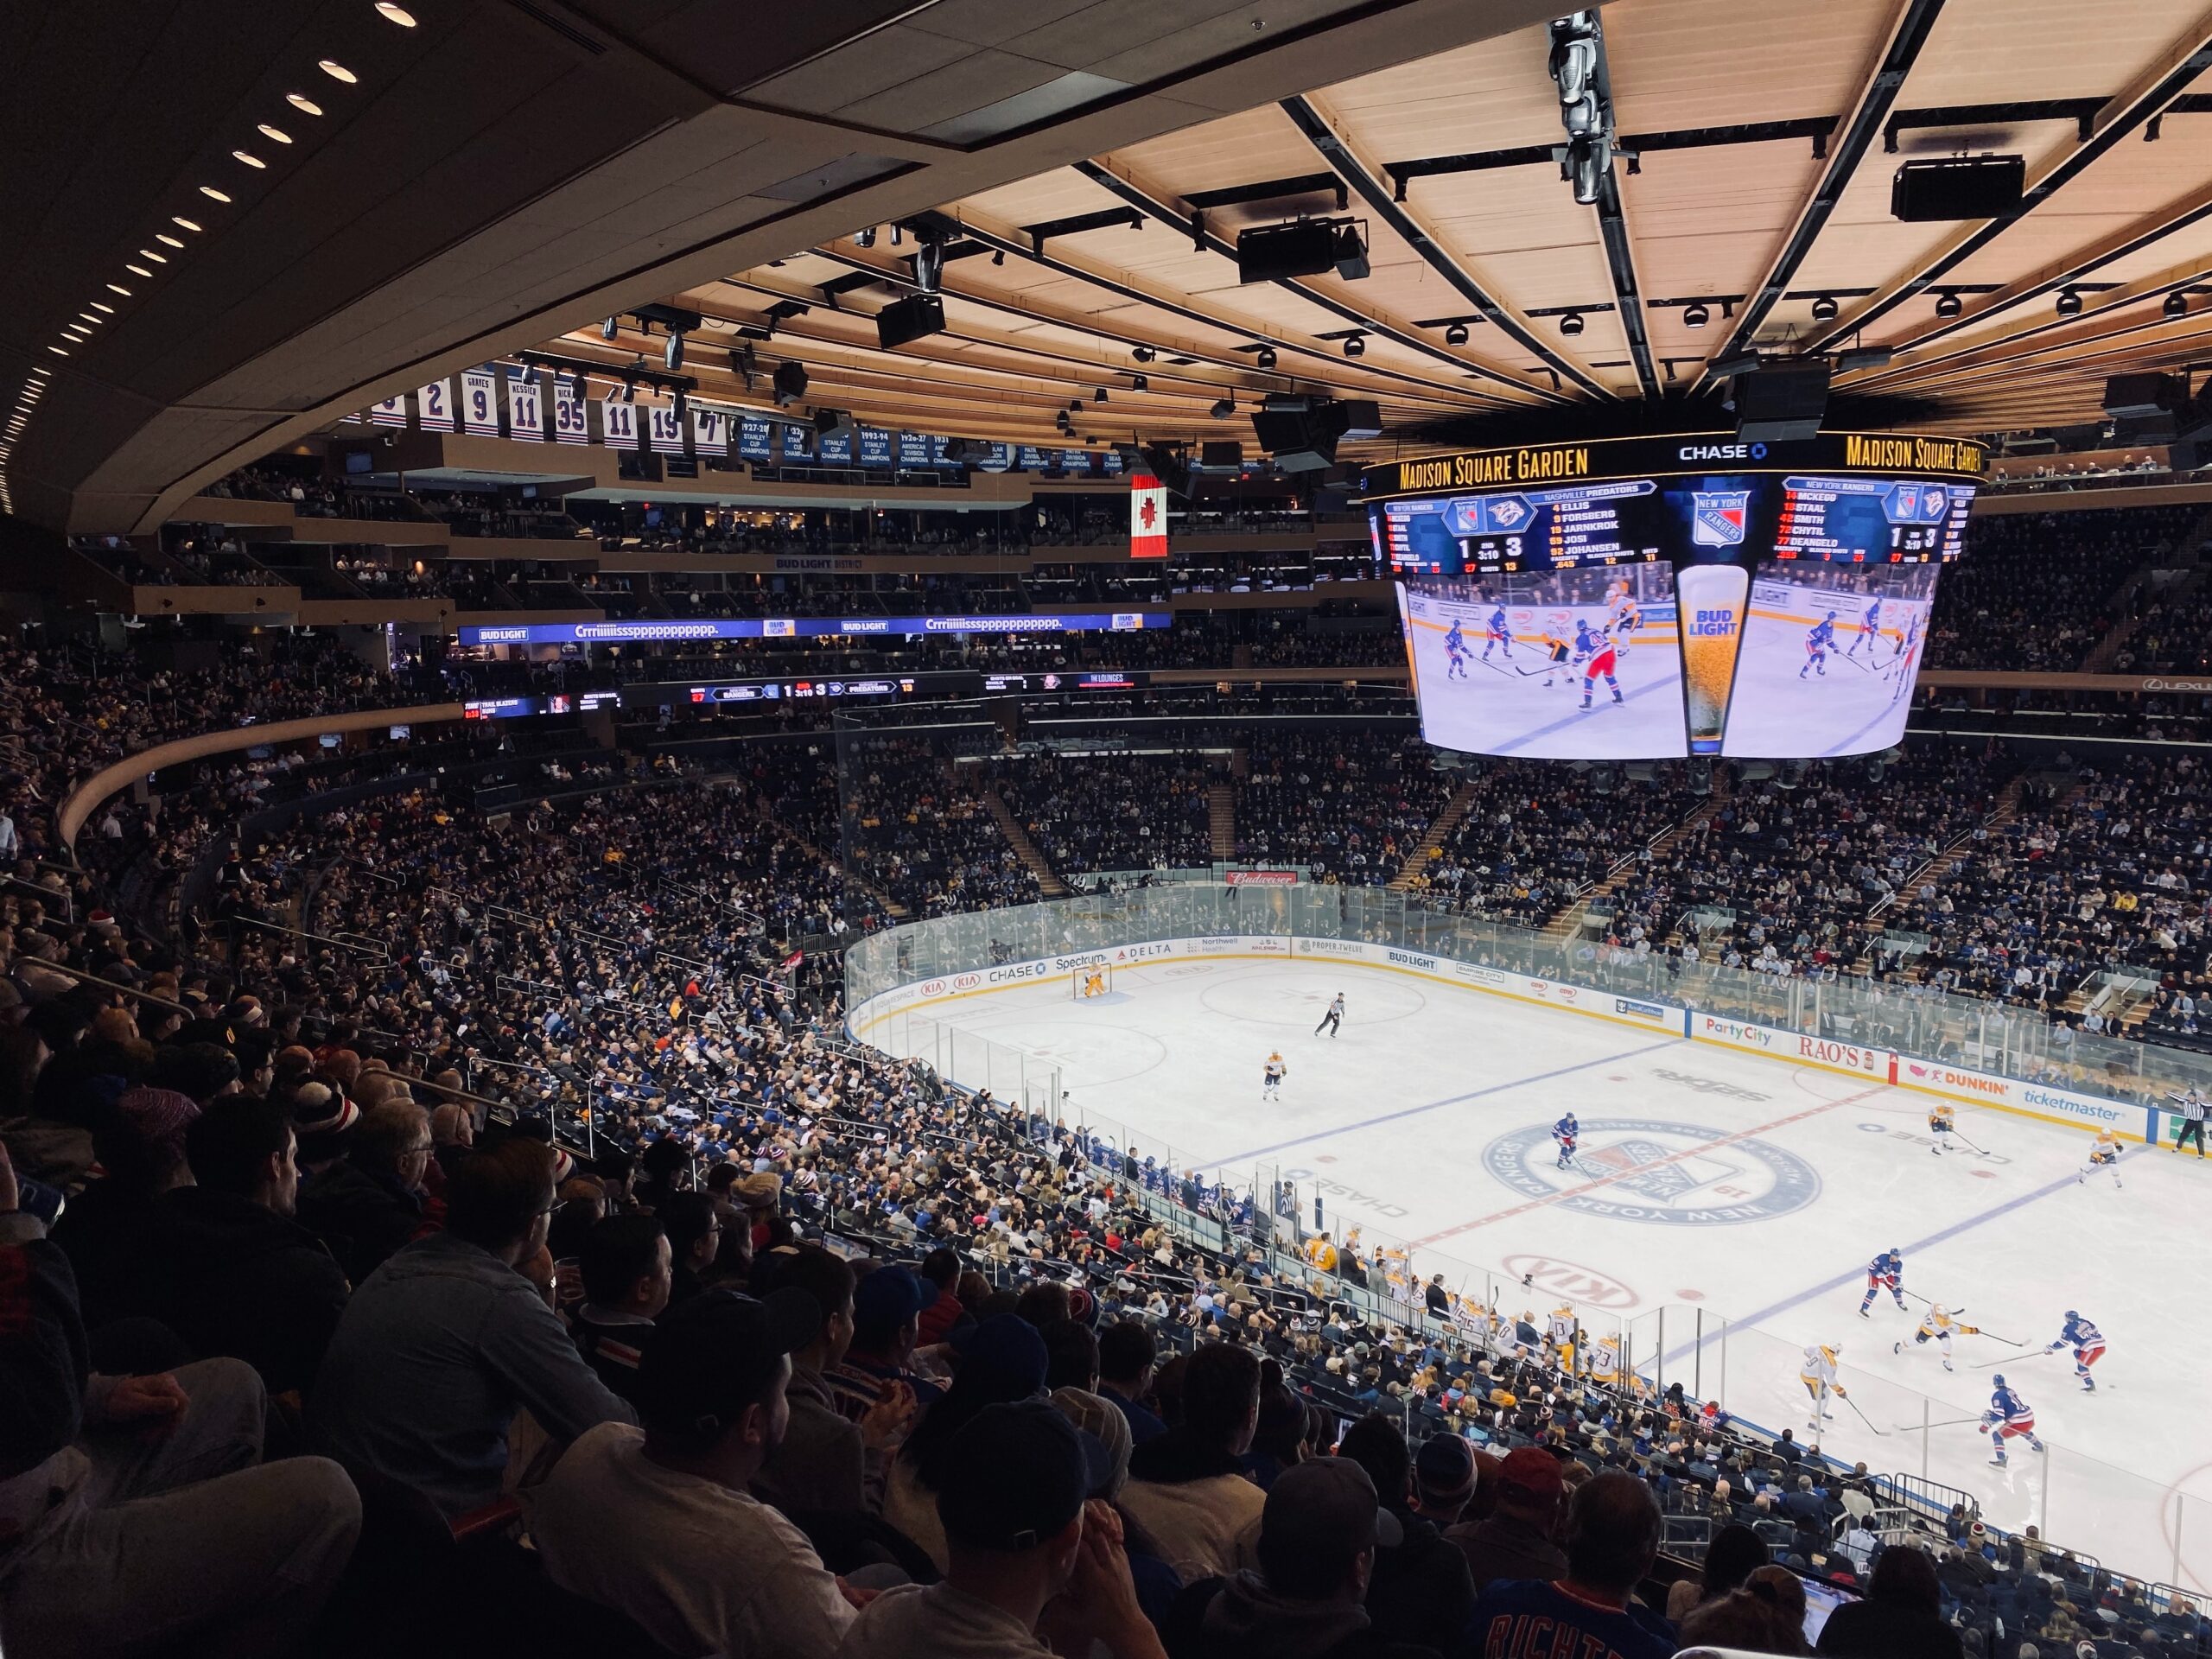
(1873, 1065)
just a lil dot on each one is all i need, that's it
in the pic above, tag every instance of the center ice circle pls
(1644, 1169)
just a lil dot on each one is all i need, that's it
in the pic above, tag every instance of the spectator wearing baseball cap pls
(1443, 1479)
(1515, 1541)
(658, 1523)
(1612, 1538)
(1419, 1592)
(888, 1306)
(1020, 1532)
(1319, 1535)
(1000, 1360)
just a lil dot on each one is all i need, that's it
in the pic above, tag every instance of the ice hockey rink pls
(1858, 704)
(1711, 1179)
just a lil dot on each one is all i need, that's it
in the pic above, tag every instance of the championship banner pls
(914, 449)
(709, 431)
(798, 444)
(755, 438)
(836, 448)
(526, 406)
(391, 411)
(479, 403)
(569, 425)
(665, 429)
(1075, 460)
(434, 406)
(875, 446)
(1148, 517)
(617, 423)
(1032, 459)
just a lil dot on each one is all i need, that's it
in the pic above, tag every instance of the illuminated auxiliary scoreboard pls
(1689, 595)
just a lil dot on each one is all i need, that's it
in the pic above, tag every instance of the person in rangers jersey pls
(1496, 633)
(1885, 1272)
(2008, 1418)
(1598, 657)
(2088, 1344)
(2104, 1153)
(1818, 642)
(1869, 630)
(1271, 1077)
(1455, 652)
(1942, 1120)
(1818, 1375)
(1939, 1326)
(1568, 1134)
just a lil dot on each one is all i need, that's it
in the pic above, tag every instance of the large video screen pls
(1776, 610)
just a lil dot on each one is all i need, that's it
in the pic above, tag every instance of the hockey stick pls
(1984, 1365)
(1863, 1417)
(1948, 1422)
(1970, 1145)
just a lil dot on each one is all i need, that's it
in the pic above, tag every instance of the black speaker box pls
(1266, 252)
(1979, 187)
(1781, 404)
(2139, 397)
(913, 318)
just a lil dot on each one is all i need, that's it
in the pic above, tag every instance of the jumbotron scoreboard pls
(1605, 600)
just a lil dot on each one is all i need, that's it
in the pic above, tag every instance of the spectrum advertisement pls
(1738, 600)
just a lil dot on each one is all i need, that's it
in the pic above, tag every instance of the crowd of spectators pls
(2175, 636)
(2039, 590)
(1112, 811)
(919, 833)
(1348, 813)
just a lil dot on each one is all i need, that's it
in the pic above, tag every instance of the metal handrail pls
(111, 985)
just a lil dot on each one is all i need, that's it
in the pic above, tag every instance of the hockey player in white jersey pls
(1818, 1375)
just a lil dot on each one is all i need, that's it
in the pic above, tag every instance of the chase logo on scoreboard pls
(1717, 517)
(1648, 1170)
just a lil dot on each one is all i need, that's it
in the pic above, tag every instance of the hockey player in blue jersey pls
(1870, 631)
(1567, 1132)
(1817, 646)
(1885, 1272)
(1595, 653)
(2009, 1417)
(2088, 1344)
(1455, 652)
(1496, 634)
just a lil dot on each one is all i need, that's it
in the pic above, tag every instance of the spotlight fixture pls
(998, 256)
(2176, 304)
(1456, 334)
(140, 270)
(865, 238)
(274, 135)
(1139, 383)
(212, 193)
(1824, 308)
(898, 235)
(304, 105)
(682, 407)
(611, 327)
(1099, 396)
(1144, 353)
(1696, 316)
(175, 218)
(1223, 407)
(1075, 405)
(395, 14)
(337, 71)
(158, 258)
(1571, 324)
(629, 390)
(118, 288)
(929, 265)
(1355, 345)
(2069, 303)
(672, 355)
(1265, 357)
(790, 383)
(1948, 304)
(249, 158)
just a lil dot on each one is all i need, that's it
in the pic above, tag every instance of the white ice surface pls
(1398, 1113)
(1857, 706)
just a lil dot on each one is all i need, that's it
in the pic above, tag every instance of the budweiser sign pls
(1263, 878)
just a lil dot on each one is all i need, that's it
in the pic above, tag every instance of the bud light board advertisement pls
(1775, 611)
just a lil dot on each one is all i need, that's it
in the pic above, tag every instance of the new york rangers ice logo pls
(1652, 1170)
(1717, 517)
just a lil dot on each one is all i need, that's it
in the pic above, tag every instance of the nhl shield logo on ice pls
(1717, 517)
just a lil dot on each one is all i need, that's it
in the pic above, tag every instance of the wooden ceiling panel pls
(1684, 64)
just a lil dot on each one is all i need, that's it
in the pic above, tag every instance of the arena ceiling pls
(1747, 208)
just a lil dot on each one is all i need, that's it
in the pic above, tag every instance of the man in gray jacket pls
(443, 1345)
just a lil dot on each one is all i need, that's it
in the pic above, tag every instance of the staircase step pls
(1221, 818)
(1440, 827)
(1010, 826)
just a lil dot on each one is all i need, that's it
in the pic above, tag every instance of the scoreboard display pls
(1607, 600)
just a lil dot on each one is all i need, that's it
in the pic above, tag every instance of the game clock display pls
(1775, 607)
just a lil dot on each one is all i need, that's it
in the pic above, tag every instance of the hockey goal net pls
(1095, 981)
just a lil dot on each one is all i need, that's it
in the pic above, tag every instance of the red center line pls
(1686, 1152)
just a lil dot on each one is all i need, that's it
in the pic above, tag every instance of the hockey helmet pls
(1998, 1380)
(2071, 1314)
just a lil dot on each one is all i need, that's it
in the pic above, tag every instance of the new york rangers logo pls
(1717, 517)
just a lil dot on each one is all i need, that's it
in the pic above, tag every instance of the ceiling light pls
(210, 191)
(98, 306)
(1355, 345)
(116, 287)
(1140, 383)
(998, 256)
(1456, 334)
(399, 14)
(1223, 409)
(158, 258)
(672, 355)
(1948, 304)
(1099, 396)
(1824, 308)
(609, 328)
(1143, 353)
(1265, 357)
(179, 219)
(1571, 324)
(337, 71)
(1696, 316)
(2069, 303)
(166, 241)
(249, 158)
(274, 135)
(57, 351)
(2176, 304)
(305, 105)
(90, 318)
(140, 270)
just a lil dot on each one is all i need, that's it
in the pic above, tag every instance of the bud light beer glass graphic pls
(1712, 598)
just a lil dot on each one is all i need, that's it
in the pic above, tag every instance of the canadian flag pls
(1148, 517)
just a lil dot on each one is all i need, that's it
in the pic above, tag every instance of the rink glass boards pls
(1641, 598)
